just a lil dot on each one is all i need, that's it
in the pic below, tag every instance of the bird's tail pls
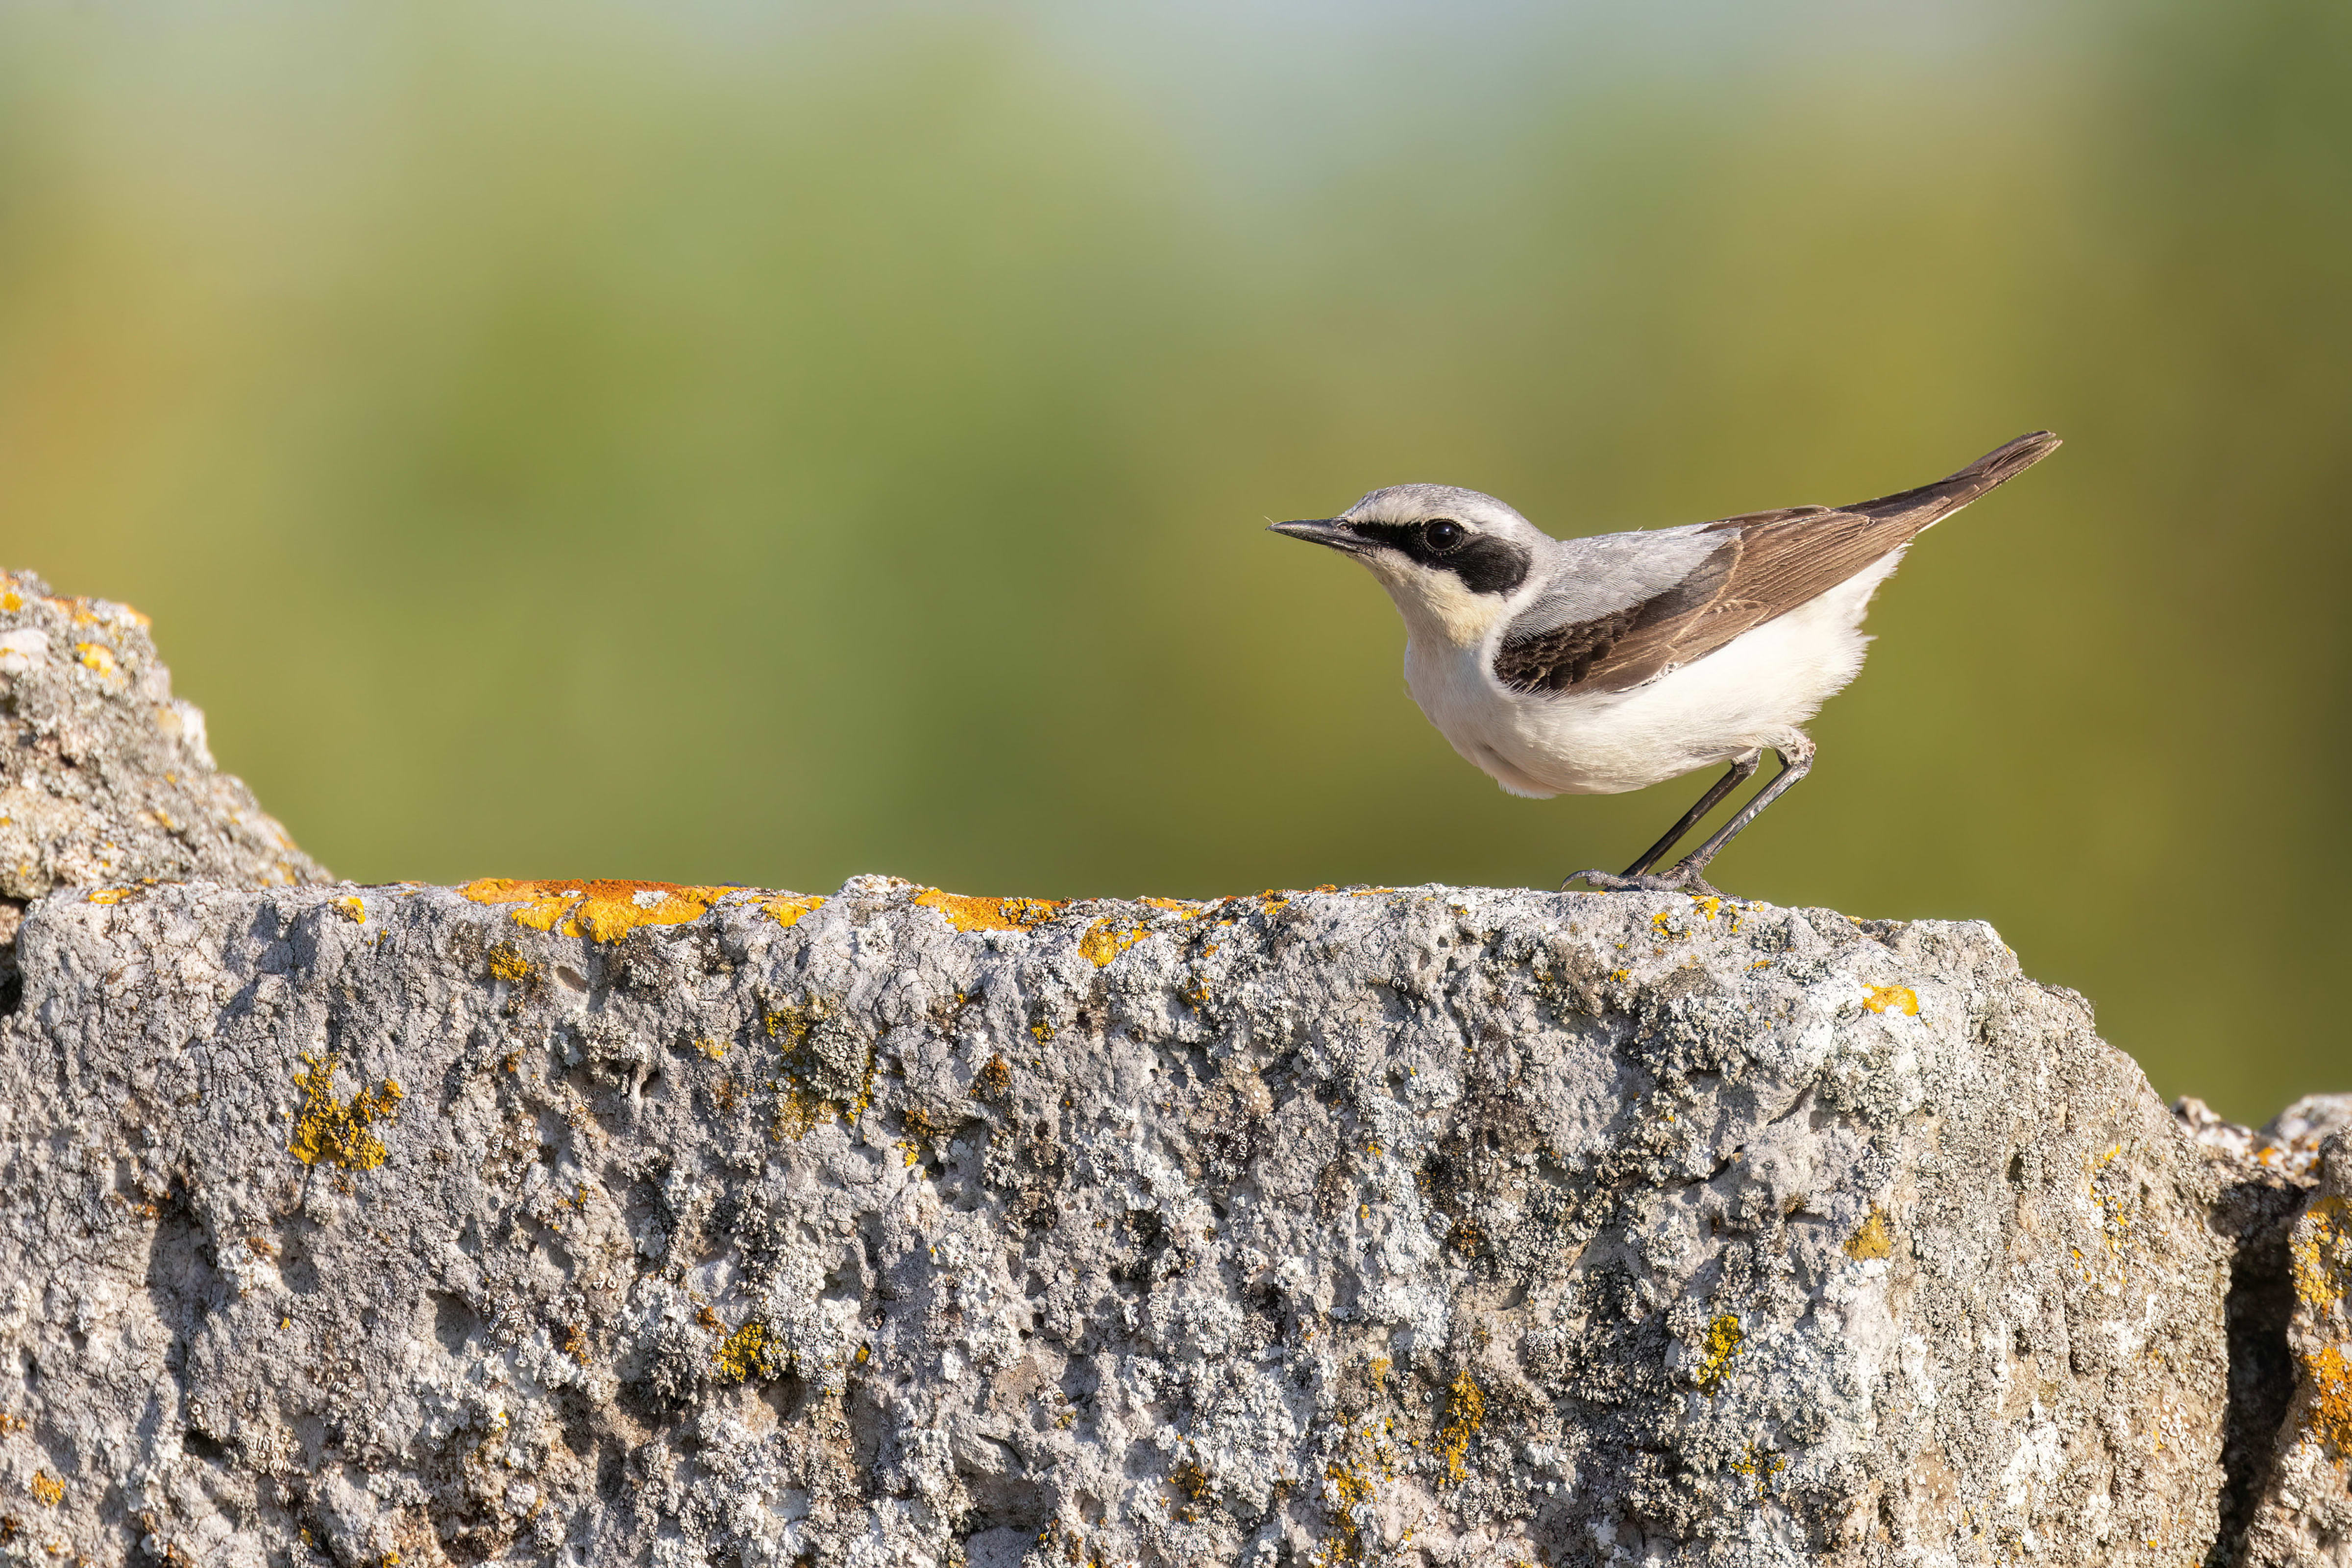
(1932, 503)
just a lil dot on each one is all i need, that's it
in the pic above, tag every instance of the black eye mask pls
(1483, 564)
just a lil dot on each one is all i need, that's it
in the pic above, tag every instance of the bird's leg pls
(1742, 769)
(1796, 755)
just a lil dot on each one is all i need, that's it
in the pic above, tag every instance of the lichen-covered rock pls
(2287, 1448)
(2303, 1519)
(105, 778)
(620, 1222)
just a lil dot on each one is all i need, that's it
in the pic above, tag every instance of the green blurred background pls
(750, 445)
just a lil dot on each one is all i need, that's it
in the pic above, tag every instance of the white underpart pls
(1752, 692)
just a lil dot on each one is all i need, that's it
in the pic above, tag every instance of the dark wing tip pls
(2012, 458)
(1929, 503)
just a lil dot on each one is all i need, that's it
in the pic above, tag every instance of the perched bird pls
(1596, 665)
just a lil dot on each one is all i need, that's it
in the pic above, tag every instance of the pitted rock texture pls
(105, 778)
(2285, 1204)
(618, 1223)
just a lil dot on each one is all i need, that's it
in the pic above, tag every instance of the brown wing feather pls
(1771, 563)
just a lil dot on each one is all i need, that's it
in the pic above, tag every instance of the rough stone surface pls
(104, 776)
(622, 1223)
(2288, 1430)
(618, 1222)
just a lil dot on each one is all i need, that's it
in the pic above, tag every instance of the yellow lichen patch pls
(508, 964)
(1107, 938)
(748, 1353)
(1349, 1479)
(797, 1110)
(1760, 1462)
(713, 1049)
(989, 914)
(339, 1130)
(97, 658)
(1893, 999)
(1465, 1412)
(1723, 1338)
(12, 601)
(113, 895)
(2329, 1372)
(786, 909)
(352, 909)
(600, 910)
(47, 1490)
(2321, 1250)
(1709, 907)
(1872, 1239)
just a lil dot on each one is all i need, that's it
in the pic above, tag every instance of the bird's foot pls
(1682, 878)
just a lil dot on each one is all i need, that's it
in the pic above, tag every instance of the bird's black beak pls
(1322, 531)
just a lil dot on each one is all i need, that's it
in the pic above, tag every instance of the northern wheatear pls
(1595, 665)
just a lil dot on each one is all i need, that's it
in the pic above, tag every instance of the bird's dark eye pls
(1442, 534)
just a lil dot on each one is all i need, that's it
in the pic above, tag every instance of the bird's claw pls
(1682, 878)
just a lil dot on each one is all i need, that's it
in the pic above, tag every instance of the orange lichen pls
(1189, 1478)
(601, 911)
(2329, 1372)
(47, 1490)
(2320, 1249)
(352, 909)
(990, 913)
(1107, 938)
(113, 895)
(507, 963)
(1893, 999)
(993, 1080)
(339, 1130)
(97, 658)
(1464, 1416)
(786, 908)
(1872, 1239)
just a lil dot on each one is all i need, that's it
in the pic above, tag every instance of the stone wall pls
(593, 1222)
